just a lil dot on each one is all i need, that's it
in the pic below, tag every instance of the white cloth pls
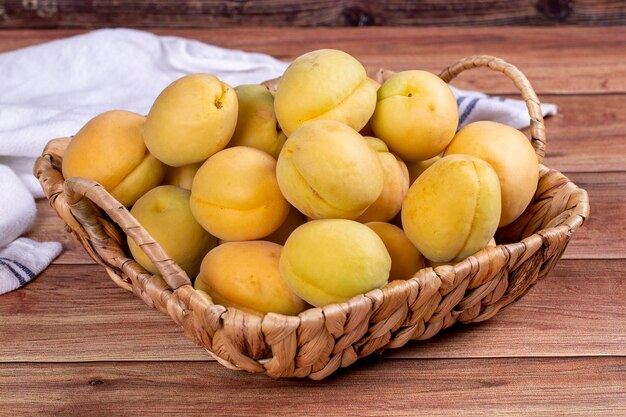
(475, 106)
(17, 207)
(23, 259)
(51, 90)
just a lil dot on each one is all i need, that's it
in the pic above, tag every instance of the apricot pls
(434, 264)
(165, 213)
(246, 275)
(326, 84)
(327, 170)
(110, 150)
(416, 168)
(292, 221)
(416, 115)
(256, 123)
(192, 118)
(395, 185)
(235, 195)
(181, 176)
(452, 209)
(332, 260)
(406, 260)
(510, 153)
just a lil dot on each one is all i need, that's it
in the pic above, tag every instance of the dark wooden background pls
(235, 13)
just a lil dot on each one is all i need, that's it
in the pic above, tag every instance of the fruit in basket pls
(324, 84)
(235, 195)
(433, 264)
(416, 115)
(332, 260)
(246, 275)
(395, 185)
(110, 150)
(192, 118)
(406, 260)
(510, 153)
(452, 209)
(326, 169)
(181, 176)
(165, 213)
(256, 123)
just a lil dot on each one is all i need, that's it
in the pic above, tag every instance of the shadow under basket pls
(318, 341)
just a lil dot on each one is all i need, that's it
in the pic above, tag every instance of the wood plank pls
(476, 387)
(212, 13)
(76, 313)
(588, 134)
(601, 237)
(574, 60)
(596, 239)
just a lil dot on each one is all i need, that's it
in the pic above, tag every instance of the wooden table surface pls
(74, 344)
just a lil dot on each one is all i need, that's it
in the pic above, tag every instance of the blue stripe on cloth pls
(24, 268)
(460, 100)
(17, 275)
(468, 110)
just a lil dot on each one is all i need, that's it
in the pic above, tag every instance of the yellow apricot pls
(326, 84)
(326, 169)
(434, 264)
(332, 260)
(406, 260)
(110, 150)
(395, 186)
(181, 176)
(256, 123)
(280, 235)
(192, 118)
(164, 212)
(453, 208)
(416, 115)
(246, 275)
(510, 153)
(235, 195)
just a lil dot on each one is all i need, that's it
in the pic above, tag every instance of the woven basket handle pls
(81, 192)
(537, 128)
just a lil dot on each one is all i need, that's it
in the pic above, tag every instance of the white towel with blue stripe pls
(475, 106)
(51, 90)
(23, 259)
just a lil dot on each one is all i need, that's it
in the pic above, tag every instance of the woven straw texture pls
(318, 341)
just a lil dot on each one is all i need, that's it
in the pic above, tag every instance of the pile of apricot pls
(326, 189)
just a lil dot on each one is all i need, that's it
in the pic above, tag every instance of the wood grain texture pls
(602, 237)
(73, 343)
(213, 13)
(470, 387)
(588, 134)
(76, 313)
(595, 65)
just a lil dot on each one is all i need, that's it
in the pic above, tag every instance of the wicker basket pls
(320, 340)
